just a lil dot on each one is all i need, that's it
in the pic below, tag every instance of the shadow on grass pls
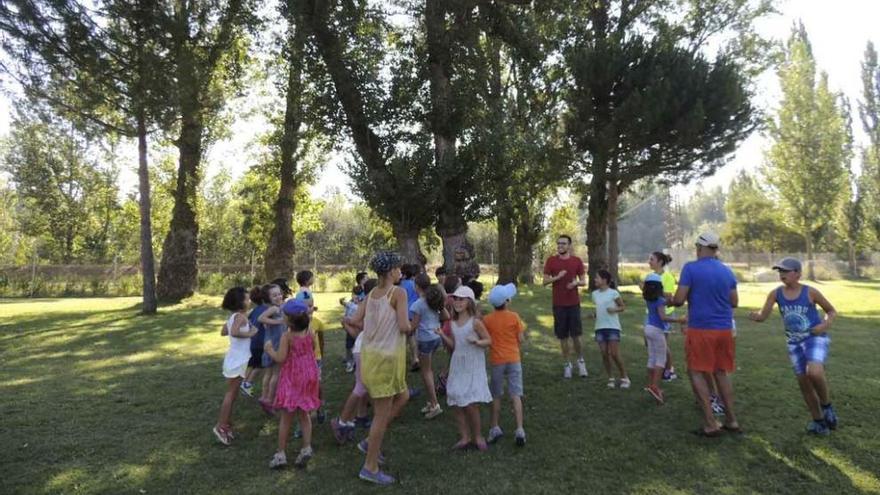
(109, 402)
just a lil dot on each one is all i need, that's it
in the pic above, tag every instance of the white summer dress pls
(468, 382)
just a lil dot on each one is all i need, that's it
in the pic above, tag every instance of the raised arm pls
(830, 312)
(271, 316)
(762, 315)
(549, 279)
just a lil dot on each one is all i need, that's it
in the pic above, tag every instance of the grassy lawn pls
(96, 399)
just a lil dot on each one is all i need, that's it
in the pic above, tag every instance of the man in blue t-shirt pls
(709, 288)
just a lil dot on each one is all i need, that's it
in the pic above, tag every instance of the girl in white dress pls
(468, 384)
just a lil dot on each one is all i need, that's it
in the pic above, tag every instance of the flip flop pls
(736, 430)
(707, 434)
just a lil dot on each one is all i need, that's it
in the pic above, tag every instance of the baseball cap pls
(653, 277)
(788, 265)
(465, 292)
(708, 239)
(501, 293)
(294, 306)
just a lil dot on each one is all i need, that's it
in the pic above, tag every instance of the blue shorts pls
(273, 334)
(513, 373)
(813, 349)
(427, 347)
(607, 335)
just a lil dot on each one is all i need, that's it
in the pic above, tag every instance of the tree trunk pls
(613, 248)
(811, 274)
(179, 271)
(453, 238)
(853, 265)
(409, 246)
(597, 218)
(528, 232)
(278, 261)
(148, 269)
(507, 268)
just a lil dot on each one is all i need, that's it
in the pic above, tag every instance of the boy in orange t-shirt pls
(506, 330)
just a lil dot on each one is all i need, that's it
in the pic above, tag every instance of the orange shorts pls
(709, 351)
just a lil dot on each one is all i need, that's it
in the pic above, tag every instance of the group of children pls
(282, 338)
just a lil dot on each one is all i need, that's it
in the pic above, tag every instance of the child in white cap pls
(506, 330)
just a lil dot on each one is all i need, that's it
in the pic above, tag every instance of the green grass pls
(96, 399)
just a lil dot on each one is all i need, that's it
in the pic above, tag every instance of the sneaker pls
(667, 376)
(494, 434)
(717, 406)
(612, 383)
(221, 435)
(247, 388)
(378, 477)
(228, 431)
(830, 416)
(582, 368)
(363, 422)
(321, 415)
(566, 371)
(349, 366)
(279, 460)
(434, 412)
(302, 460)
(425, 409)
(339, 431)
(625, 382)
(818, 428)
(363, 446)
(520, 437)
(655, 393)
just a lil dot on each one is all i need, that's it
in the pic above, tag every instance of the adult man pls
(709, 287)
(566, 273)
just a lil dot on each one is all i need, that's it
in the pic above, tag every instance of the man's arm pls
(681, 295)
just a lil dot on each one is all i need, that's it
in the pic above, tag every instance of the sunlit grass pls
(95, 398)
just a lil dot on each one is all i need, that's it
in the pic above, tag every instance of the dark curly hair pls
(304, 276)
(234, 299)
(435, 296)
(662, 257)
(652, 290)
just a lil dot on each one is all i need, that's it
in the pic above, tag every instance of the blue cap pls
(653, 277)
(500, 294)
(294, 306)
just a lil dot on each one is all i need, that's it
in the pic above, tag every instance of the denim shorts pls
(607, 335)
(513, 373)
(813, 349)
(427, 347)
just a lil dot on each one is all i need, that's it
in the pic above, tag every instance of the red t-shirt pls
(573, 266)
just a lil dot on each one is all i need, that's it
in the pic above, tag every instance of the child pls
(655, 340)
(657, 262)
(237, 301)
(357, 295)
(468, 384)
(273, 321)
(259, 297)
(440, 274)
(425, 315)
(450, 284)
(505, 328)
(354, 412)
(407, 283)
(608, 306)
(808, 340)
(297, 382)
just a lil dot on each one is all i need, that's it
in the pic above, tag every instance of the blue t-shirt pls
(653, 317)
(303, 295)
(410, 287)
(799, 315)
(710, 282)
(254, 320)
(428, 322)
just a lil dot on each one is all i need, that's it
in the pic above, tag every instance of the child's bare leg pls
(473, 416)
(267, 383)
(808, 391)
(464, 433)
(413, 348)
(668, 366)
(496, 412)
(517, 410)
(816, 373)
(614, 352)
(252, 374)
(348, 410)
(305, 426)
(427, 372)
(273, 383)
(362, 406)
(606, 358)
(229, 397)
(284, 430)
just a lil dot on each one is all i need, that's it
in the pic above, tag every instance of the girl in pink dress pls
(297, 390)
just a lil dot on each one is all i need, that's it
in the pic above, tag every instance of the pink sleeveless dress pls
(298, 377)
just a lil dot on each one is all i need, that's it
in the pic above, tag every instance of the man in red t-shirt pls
(566, 273)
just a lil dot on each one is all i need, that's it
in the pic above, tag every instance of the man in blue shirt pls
(709, 288)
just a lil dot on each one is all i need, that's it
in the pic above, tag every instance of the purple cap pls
(294, 306)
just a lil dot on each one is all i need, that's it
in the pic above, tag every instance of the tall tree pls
(645, 101)
(869, 111)
(206, 47)
(102, 64)
(807, 162)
